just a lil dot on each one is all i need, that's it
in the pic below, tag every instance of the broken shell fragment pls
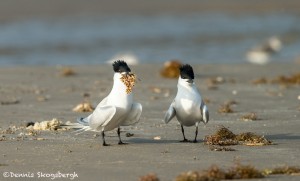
(157, 138)
(53, 124)
(83, 107)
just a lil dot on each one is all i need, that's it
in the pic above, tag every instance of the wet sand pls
(277, 108)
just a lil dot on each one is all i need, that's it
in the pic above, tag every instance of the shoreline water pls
(194, 38)
(77, 32)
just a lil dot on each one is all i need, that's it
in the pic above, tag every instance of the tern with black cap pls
(188, 106)
(115, 110)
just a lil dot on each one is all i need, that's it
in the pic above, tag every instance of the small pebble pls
(234, 92)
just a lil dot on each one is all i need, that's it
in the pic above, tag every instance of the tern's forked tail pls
(81, 127)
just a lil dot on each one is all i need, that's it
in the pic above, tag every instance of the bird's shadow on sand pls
(162, 141)
(283, 137)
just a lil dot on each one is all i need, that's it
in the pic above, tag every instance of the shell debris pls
(83, 107)
(157, 138)
(53, 124)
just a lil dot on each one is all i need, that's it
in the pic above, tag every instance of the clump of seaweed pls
(251, 139)
(225, 137)
(239, 171)
(225, 108)
(294, 79)
(288, 170)
(261, 80)
(149, 177)
(129, 81)
(171, 69)
(214, 173)
(193, 176)
(249, 117)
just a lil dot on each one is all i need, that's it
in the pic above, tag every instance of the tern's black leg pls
(196, 134)
(119, 134)
(184, 139)
(103, 139)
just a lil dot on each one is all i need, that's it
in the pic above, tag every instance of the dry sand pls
(277, 108)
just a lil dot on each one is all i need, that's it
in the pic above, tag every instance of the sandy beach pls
(37, 93)
(37, 35)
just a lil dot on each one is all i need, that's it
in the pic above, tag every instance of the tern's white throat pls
(186, 82)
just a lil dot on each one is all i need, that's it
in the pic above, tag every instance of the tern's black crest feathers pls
(121, 66)
(186, 72)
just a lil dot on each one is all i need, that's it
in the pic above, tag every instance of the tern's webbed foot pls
(104, 144)
(195, 141)
(122, 143)
(184, 141)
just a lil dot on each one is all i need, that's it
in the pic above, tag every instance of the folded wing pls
(134, 115)
(204, 112)
(170, 113)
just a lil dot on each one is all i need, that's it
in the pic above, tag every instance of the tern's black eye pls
(184, 77)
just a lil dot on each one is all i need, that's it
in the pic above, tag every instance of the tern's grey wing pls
(85, 121)
(103, 102)
(204, 112)
(134, 115)
(170, 113)
(101, 116)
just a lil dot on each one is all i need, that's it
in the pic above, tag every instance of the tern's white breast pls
(118, 96)
(187, 105)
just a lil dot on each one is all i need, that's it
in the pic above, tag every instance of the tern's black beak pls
(125, 73)
(190, 81)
